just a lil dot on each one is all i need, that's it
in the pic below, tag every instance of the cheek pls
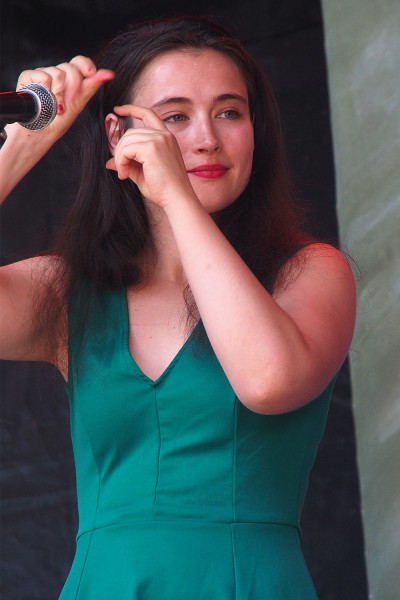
(247, 151)
(243, 143)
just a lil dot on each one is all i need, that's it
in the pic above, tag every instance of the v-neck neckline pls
(131, 360)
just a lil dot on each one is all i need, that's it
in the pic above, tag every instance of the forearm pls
(22, 150)
(256, 341)
(73, 84)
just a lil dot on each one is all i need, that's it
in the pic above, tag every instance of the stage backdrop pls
(363, 49)
(38, 498)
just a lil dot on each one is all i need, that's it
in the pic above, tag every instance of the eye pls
(230, 113)
(178, 118)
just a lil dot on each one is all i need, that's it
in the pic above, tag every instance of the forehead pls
(190, 71)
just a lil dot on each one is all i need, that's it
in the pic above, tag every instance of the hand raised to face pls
(147, 153)
(196, 103)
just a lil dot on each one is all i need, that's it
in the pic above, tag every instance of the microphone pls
(34, 106)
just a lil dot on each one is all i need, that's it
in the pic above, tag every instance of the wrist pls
(180, 203)
(20, 152)
(22, 140)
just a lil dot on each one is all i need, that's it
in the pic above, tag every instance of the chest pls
(157, 327)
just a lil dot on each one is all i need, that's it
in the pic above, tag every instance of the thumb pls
(91, 84)
(110, 164)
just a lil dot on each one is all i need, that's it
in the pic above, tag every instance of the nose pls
(208, 140)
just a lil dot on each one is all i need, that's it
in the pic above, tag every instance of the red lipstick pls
(209, 171)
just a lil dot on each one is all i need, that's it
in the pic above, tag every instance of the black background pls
(38, 508)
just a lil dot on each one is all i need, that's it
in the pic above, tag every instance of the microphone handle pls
(21, 107)
(35, 107)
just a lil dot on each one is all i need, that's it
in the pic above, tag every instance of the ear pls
(113, 131)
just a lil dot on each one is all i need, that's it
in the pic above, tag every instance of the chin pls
(216, 207)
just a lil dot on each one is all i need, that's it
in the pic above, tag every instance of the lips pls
(209, 171)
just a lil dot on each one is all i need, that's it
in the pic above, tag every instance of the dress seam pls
(191, 521)
(233, 562)
(306, 449)
(91, 531)
(84, 564)
(234, 450)
(159, 447)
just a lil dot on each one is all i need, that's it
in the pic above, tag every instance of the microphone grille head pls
(46, 106)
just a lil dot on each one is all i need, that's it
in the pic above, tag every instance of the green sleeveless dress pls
(183, 493)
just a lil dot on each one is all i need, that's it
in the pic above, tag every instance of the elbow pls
(280, 392)
(269, 395)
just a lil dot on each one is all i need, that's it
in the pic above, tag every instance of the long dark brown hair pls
(106, 237)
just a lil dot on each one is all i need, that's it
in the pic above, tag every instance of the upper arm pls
(321, 301)
(22, 287)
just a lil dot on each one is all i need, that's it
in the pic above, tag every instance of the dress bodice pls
(183, 448)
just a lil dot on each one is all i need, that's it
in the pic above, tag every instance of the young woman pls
(199, 327)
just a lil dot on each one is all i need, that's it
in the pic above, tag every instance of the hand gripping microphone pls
(33, 106)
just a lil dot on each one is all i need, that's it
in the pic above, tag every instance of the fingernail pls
(60, 108)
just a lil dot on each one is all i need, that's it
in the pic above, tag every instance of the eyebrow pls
(183, 100)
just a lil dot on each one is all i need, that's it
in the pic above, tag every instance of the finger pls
(146, 115)
(121, 164)
(40, 75)
(110, 164)
(57, 79)
(84, 68)
(85, 65)
(122, 172)
(51, 77)
(84, 78)
(91, 84)
(89, 70)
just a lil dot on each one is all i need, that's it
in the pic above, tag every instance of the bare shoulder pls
(321, 253)
(318, 272)
(320, 296)
(33, 269)
(316, 264)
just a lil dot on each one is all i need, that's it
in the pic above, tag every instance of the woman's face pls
(202, 98)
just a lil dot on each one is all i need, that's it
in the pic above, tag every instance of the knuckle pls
(36, 76)
(80, 58)
(83, 63)
(26, 73)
